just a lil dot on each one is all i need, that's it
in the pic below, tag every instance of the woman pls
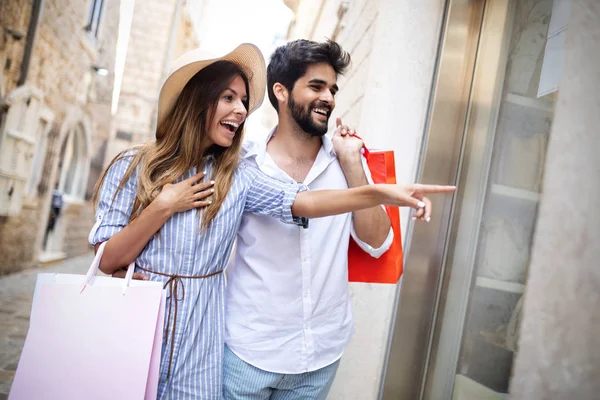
(147, 201)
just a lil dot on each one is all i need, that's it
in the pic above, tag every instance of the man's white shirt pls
(287, 307)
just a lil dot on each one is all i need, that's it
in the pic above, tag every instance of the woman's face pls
(229, 115)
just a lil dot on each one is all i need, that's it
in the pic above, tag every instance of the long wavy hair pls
(180, 138)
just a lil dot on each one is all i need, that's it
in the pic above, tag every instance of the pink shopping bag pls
(92, 337)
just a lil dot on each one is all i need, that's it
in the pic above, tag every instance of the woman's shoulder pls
(121, 163)
(129, 152)
(126, 156)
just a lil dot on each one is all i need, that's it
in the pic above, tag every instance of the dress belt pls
(175, 282)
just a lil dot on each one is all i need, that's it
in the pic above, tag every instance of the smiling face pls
(313, 98)
(230, 113)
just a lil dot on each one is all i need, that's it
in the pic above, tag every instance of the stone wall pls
(61, 67)
(185, 37)
(99, 107)
(146, 66)
(14, 14)
(353, 27)
(17, 240)
(64, 53)
(15, 249)
(80, 220)
(143, 70)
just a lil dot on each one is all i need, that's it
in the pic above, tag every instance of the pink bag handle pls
(94, 269)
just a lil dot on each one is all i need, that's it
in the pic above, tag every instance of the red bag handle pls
(366, 151)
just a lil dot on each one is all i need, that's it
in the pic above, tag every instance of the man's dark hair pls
(289, 62)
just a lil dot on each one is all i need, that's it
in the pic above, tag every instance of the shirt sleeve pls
(113, 212)
(269, 196)
(373, 252)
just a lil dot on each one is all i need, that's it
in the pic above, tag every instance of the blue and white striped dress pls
(182, 249)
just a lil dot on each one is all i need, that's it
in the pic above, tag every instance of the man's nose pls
(327, 96)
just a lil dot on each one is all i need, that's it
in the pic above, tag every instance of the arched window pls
(74, 163)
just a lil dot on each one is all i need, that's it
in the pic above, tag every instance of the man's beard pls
(304, 119)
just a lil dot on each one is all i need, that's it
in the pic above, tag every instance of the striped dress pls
(196, 366)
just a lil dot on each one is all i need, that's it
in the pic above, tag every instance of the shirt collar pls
(258, 149)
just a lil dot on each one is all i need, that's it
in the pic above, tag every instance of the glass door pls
(510, 112)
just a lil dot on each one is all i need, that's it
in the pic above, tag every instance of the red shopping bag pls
(387, 268)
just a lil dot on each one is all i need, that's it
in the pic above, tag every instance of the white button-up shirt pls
(287, 308)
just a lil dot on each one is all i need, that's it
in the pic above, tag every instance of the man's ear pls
(280, 92)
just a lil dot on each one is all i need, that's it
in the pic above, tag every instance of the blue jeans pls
(242, 381)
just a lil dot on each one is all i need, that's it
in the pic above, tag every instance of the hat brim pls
(246, 55)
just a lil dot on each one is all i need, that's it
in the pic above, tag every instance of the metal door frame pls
(417, 302)
(480, 130)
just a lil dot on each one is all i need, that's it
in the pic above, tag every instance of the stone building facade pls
(56, 87)
(14, 19)
(57, 131)
(149, 54)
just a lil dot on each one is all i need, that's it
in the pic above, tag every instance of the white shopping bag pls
(92, 337)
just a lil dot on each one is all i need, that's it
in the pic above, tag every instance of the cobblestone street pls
(16, 291)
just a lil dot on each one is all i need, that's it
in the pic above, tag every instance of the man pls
(288, 317)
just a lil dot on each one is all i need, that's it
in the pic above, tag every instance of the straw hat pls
(246, 55)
